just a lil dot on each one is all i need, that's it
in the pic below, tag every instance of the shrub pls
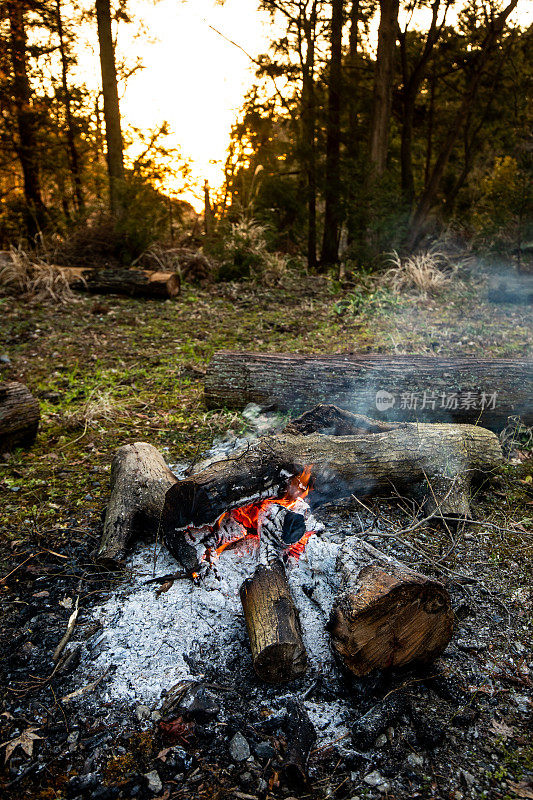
(33, 279)
(244, 254)
(426, 273)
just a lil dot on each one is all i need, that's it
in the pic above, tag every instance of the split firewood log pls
(140, 479)
(435, 464)
(273, 625)
(19, 416)
(386, 614)
(463, 389)
(132, 282)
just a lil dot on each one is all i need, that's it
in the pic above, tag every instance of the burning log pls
(386, 615)
(132, 282)
(140, 479)
(19, 416)
(273, 625)
(435, 464)
(425, 388)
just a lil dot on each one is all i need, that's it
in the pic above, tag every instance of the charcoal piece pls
(301, 736)
(367, 728)
(293, 527)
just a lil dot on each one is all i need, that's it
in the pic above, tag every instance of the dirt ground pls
(110, 370)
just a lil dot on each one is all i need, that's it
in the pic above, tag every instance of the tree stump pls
(386, 615)
(19, 416)
(273, 625)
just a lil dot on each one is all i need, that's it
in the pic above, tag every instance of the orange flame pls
(248, 516)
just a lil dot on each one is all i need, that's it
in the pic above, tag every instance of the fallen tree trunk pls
(140, 479)
(19, 416)
(391, 387)
(273, 625)
(435, 464)
(132, 282)
(386, 615)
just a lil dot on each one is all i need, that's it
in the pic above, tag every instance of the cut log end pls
(387, 615)
(273, 625)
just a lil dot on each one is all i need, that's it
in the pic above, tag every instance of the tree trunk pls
(115, 157)
(411, 86)
(455, 388)
(273, 625)
(386, 615)
(27, 142)
(74, 161)
(309, 134)
(132, 282)
(19, 416)
(332, 193)
(383, 82)
(139, 481)
(435, 464)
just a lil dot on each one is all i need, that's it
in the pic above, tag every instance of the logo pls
(384, 400)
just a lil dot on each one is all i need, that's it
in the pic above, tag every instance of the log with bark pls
(434, 464)
(140, 479)
(386, 614)
(273, 625)
(424, 388)
(19, 416)
(132, 282)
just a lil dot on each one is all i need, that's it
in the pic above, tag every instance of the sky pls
(193, 77)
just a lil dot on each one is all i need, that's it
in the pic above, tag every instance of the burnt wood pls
(301, 737)
(434, 464)
(296, 383)
(386, 614)
(273, 625)
(19, 416)
(132, 282)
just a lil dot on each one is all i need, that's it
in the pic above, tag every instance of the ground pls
(110, 370)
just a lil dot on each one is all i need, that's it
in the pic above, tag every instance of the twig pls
(84, 689)
(68, 633)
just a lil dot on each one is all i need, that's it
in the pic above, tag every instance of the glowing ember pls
(247, 517)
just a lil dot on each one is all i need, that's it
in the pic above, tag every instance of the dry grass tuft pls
(427, 273)
(99, 407)
(33, 279)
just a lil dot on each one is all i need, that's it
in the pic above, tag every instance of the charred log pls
(459, 389)
(301, 736)
(386, 615)
(273, 625)
(140, 479)
(19, 416)
(132, 282)
(385, 713)
(435, 464)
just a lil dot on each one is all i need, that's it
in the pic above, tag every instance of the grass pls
(33, 279)
(428, 273)
(112, 370)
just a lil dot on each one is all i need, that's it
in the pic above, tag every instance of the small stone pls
(4, 359)
(239, 748)
(154, 781)
(142, 712)
(382, 740)
(467, 778)
(415, 760)
(374, 778)
(155, 716)
(264, 750)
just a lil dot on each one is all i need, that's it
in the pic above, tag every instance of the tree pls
(115, 149)
(383, 85)
(74, 160)
(332, 193)
(26, 146)
(494, 28)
